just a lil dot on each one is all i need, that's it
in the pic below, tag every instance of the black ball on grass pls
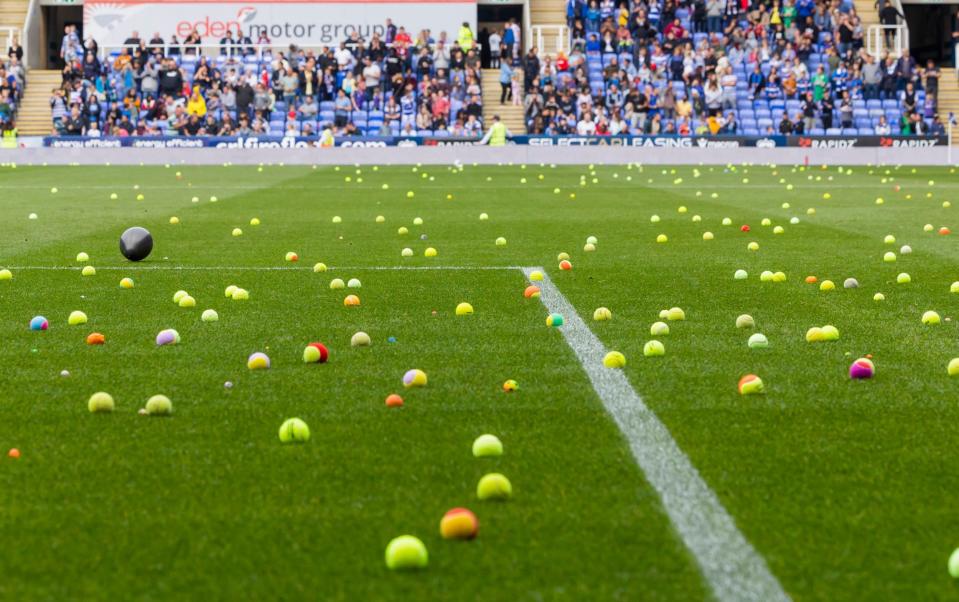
(136, 243)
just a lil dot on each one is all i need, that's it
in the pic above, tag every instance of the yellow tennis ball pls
(654, 349)
(100, 402)
(602, 314)
(294, 430)
(614, 359)
(487, 446)
(659, 329)
(494, 486)
(159, 405)
(464, 309)
(953, 368)
(406, 552)
(76, 318)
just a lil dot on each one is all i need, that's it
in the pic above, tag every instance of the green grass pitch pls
(848, 489)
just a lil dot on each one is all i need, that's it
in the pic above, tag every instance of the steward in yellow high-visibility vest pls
(497, 133)
(465, 37)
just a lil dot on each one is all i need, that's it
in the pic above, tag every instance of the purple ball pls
(168, 337)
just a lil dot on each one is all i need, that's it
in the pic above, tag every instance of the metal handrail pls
(12, 33)
(559, 35)
(875, 39)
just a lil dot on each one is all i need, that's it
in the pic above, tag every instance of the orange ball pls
(944, 230)
(459, 523)
(14, 453)
(811, 279)
(531, 292)
(565, 265)
(351, 300)
(96, 338)
(394, 401)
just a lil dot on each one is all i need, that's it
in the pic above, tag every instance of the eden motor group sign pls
(301, 22)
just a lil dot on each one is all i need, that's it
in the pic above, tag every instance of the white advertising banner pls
(305, 23)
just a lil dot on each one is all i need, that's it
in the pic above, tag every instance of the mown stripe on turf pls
(731, 566)
(265, 268)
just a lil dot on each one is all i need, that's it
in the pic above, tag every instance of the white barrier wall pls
(478, 154)
(301, 22)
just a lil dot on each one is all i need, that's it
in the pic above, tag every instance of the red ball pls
(565, 265)
(324, 352)
(745, 228)
(944, 230)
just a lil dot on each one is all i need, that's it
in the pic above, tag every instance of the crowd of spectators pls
(391, 85)
(753, 67)
(12, 81)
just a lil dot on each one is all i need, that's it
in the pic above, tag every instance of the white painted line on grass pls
(731, 566)
(264, 268)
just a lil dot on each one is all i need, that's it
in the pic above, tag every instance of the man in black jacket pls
(244, 98)
(171, 80)
(530, 68)
(889, 17)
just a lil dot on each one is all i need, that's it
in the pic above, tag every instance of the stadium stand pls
(683, 67)
(378, 87)
(725, 67)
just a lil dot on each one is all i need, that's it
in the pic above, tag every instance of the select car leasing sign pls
(301, 22)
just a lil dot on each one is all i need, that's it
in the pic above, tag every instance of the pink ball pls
(862, 368)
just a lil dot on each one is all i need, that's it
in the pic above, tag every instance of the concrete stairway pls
(510, 114)
(547, 12)
(13, 13)
(948, 97)
(33, 116)
(868, 13)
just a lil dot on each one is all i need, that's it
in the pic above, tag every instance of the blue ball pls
(391, 339)
(39, 323)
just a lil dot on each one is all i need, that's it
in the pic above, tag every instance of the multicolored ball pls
(258, 361)
(168, 337)
(555, 320)
(750, 385)
(39, 323)
(414, 378)
(315, 353)
(862, 368)
(459, 523)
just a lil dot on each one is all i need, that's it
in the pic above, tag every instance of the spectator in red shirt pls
(441, 105)
(676, 29)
